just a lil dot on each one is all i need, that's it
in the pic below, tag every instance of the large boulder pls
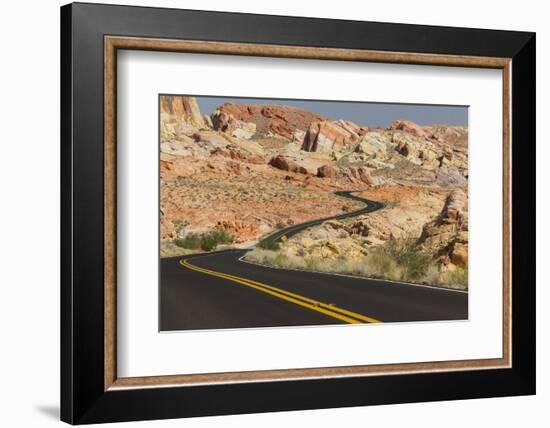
(361, 174)
(354, 174)
(407, 126)
(225, 122)
(294, 163)
(327, 136)
(329, 171)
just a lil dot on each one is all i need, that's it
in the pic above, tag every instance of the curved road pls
(218, 290)
(370, 206)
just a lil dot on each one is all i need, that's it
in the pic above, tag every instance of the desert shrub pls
(457, 278)
(179, 225)
(359, 266)
(275, 258)
(170, 249)
(257, 255)
(262, 256)
(432, 275)
(268, 244)
(207, 241)
(221, 236)
(190, 241)
(315, 264)
(295, 262)
(398, 261)
(280, 225)
(393, 261)
(281, 260)
(380, 264)
(413, 262)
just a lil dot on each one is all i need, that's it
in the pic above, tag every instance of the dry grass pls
(170, 249)
(456, 279)
(397, 263)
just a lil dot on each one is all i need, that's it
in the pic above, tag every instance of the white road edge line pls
(433, 287)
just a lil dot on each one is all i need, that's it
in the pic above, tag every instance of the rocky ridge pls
(279, 121)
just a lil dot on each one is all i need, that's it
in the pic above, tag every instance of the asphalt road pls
(218, 290)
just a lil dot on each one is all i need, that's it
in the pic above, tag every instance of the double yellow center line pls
(324, 308)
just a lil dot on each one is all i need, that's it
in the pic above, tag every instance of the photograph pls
(287, 212)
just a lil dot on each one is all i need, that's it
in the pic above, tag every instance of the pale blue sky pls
(362, 113)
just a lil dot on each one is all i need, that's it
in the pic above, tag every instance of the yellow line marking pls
(330, 310)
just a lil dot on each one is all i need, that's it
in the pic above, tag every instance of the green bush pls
(400, 261)
(212, 239)
(207, 241)
(190, 241)
(179, 225)
(414, 262)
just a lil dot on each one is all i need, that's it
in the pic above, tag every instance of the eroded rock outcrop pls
(294, 163)
(272, 120)
(455, 137)
(225, 122)
(352, 173)
(447, 235)
(326, 136)
(183, 109)
(407, 212)
(407, 126)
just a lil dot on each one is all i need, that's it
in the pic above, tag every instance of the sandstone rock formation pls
(184, 109)
(447, 235)
(225, 122)
(294, 163)
(352, 173)
(327, 135)
(271, 120)
(454, 137)
(408, 210)
(407, 126)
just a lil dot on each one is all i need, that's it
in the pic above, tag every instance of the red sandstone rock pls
(407, 126)
(328, 171)
(459, 255)
(270, 119)
(225, 122)
(327, 135)
(294, 163)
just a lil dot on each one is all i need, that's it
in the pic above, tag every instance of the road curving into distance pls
(218, 290)
(370, 206)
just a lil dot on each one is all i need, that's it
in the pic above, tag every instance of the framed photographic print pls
(265, 213)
